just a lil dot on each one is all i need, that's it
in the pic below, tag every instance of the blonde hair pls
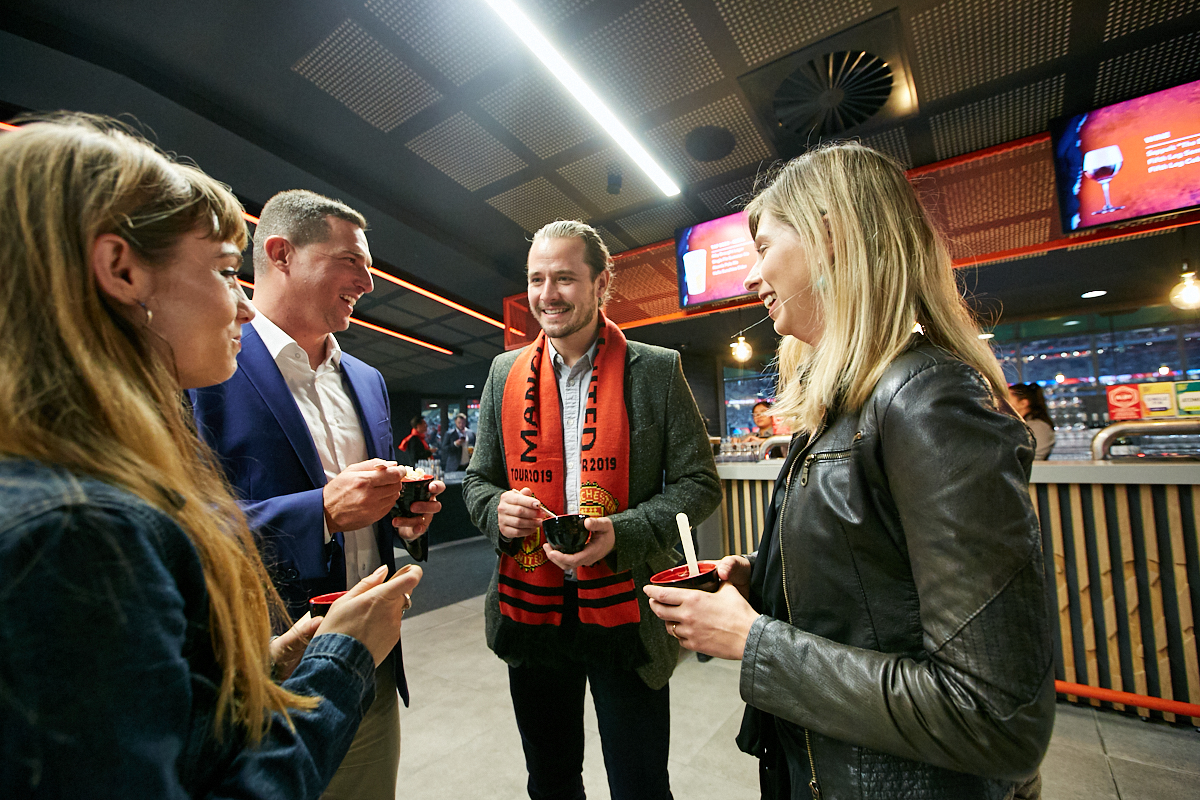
(84, 387)
(876, 268)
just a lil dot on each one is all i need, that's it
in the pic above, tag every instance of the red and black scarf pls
(531, 587)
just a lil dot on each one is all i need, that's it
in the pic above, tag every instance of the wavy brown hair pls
(887, 270)
(87, 390)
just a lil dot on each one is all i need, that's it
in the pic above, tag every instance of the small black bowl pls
(678, 578)
(319, 605)
(566, 532)
(412, 492)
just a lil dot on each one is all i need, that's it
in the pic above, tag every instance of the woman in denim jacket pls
(135, 650)
(893, 626)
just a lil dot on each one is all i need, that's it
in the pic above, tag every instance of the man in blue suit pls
(304, 433)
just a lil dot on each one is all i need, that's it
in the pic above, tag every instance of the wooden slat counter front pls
(1122, 566)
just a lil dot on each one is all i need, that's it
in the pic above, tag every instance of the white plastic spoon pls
(689, 548)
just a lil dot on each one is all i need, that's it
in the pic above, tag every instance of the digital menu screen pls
(713, 258)
(1134, 159)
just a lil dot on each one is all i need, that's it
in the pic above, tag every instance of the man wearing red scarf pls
(583, 421)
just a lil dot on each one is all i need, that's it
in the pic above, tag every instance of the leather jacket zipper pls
(829, 455)
(813, 786)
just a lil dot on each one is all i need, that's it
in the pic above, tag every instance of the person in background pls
(597, 425)
(764, 422)
(414, 446)
(455, 444)
(304, 433)
(135, 651)
(1030, 403)
(893, 629)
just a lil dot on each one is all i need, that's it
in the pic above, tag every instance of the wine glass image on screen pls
(695, 271)
(1102, 165)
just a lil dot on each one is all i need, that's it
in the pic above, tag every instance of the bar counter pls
(1121, 559)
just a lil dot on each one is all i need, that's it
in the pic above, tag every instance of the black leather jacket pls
(905, 646)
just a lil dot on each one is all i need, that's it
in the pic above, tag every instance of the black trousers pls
(635, 728)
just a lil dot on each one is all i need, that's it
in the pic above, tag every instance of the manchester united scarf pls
(531, 587)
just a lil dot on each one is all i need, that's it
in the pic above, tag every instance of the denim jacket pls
(108, 679)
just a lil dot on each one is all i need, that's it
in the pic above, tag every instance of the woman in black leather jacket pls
(893, 626)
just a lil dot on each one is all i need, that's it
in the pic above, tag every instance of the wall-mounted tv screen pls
(713, 258)
(1134, 159)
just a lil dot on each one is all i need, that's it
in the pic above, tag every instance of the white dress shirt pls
(328, 411)
(572, 406)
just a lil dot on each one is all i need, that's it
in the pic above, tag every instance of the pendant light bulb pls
(1186, 294)
(742, 350)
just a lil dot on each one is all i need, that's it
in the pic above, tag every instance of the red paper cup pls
(678, 578)
(319, 605)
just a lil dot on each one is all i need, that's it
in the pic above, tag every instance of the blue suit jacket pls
(269, 456)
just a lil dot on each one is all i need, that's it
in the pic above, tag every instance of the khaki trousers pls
(368, 772)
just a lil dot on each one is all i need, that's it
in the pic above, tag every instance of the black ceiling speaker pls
(833, 93)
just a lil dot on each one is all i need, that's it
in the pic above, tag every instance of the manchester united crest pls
(531, 555)
(596, 501)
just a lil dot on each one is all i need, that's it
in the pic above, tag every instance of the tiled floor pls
(460, 740)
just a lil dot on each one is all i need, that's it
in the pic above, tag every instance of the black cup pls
(566, 532)
(678, 578)
(412, 492)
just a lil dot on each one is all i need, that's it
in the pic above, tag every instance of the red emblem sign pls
(1124, 402)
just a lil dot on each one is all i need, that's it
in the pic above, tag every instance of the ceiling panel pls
(589, 177)
(537, 111)
(658, 223)
(893, 142)
(632, 65)
(458, 38)
(729, 113)
(729, 197)
(1127, 16)
(964, 43)
(531, 205)
(462, 149)
(366, 78)
(766, 29)
(1150, 69)
(1002, 118)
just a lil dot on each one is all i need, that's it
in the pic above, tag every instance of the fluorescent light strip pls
(379, 329)
(558, 66)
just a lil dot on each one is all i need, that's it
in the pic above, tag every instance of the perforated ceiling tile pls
(764, 29)
(531, 205)
(1021, 112)
(729, 113)
(994, 239)
(1000, 194)
(658, 223)
(590, 177)
(894, 143)
(731, 197)
(647, 57)
(460, 39)
(362, 75)
(963, 43)
(462, 149)
(1127, 16)
(1150, 69)
(645, 285)
(613, 244)
(535, 109)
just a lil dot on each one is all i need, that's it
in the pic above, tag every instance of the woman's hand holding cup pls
(372, 609)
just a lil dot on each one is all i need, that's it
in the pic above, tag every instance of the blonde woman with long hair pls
(892, 627)
(135, 650)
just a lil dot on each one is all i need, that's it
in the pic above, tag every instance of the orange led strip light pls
(412, 287)
(380, 329)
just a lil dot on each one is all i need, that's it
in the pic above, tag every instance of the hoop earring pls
(149, 313)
